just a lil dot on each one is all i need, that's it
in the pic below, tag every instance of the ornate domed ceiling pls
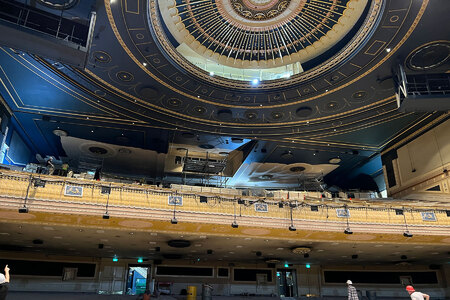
(279, 35)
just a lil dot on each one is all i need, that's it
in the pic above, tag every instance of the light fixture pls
(347, 230)
(106, 190)
(234, 224)
(301, 250)
(24, 209)
(174, 219)
(115, 258)
(308, 266)
(144, 64)
(211, 73)
(292, 227)
(406, 233)
(140, 260)
(286, 265)
(388, 50)
(255, 81)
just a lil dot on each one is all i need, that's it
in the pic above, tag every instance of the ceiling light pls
(255, 81)
(301, 250)
(334, 160)
(140, 260)
(308, 266)
(211, 73)
(292, 228)
(115, 258)
(145, 64)
(23, 210)
(106, 216)
(174, 221)
(234, 224)
(388, 50)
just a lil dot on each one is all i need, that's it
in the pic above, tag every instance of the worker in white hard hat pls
(352, 293)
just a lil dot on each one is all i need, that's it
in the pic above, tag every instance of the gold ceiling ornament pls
(259, 10)
(228, 48)
(301, 250)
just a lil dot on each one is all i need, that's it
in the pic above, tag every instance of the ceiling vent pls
(301, 250)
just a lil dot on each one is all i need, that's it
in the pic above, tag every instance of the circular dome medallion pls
(259, 9)
(429, 56)
(236, 39)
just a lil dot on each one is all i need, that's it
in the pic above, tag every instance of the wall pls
(111, 277)
(417, 160)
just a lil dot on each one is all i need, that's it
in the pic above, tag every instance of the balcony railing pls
(68, 195)
(44, 22)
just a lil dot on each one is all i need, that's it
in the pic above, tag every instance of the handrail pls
(44, 22)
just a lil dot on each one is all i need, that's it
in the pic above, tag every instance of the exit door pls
(137, 279)
(287, 283)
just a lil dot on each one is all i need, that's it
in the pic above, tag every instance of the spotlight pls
(211, 73)
(115, 259)
(348, 231)
(292, 228)
(399, 212)
(140, 260)
(23, 210)
(407, 234)
(39, 182)
(174, 221)
(106, 190)
(234, 224)
(106, 216)
(255, 81)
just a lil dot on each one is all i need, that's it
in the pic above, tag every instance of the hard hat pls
(409, 288)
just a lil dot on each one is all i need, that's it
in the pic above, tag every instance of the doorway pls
(137, 279)
(287, 283)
